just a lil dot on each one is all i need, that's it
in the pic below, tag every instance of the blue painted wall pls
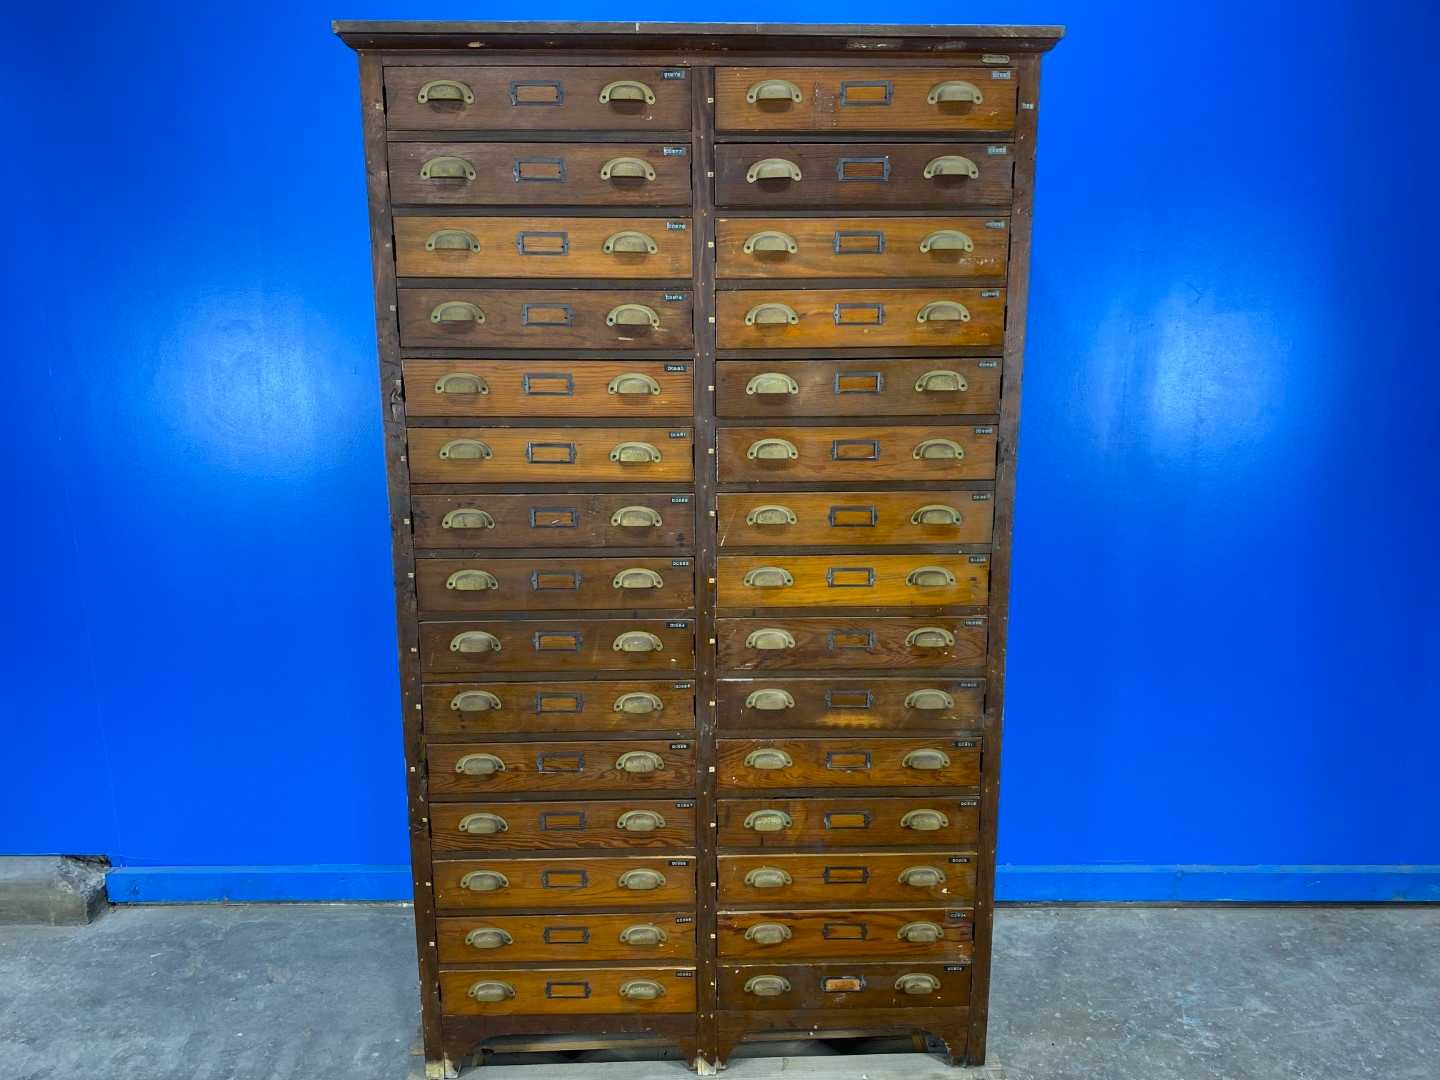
(1224, 646)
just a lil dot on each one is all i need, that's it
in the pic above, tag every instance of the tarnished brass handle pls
(930, 577)
(936, 514)
(465, 450)
(639, 763)
(930, 700)
(457, 311)
(461, 382)
(771, 514)
(474, 641)
(643, 934)
(447, 167)
(770, 639)
(772, 450)
(626, 166)
(769, 700)
(637, 641)
(772, 168)
(488, 937)
(941, 381)
(938, 450)
(774, 90)
(638, 703)
(917, 983)
(484, 881)
(633, 315)
(451, 240)
(947, 240)
(772, 382)
(768, 759)
(627, 90)
(767, 821)
(769, 577)
(771, 315)
(471, 581)
(633, 384)
(636, 517)
(479, 765)
(929, 637)
(445, 90)
(768, 877)
(767, 985)
(768, 933)
(943, 311)
(637, 577)
(955, 90)
(641, 880)
(641, 990)
(770, 240)
(629, 242)
(483, 824)
(630, 453)
(921, 933)
(925, 821)
(922, 877)
(640, 821)
(467, 517)
(926, 760)
(475, 701)
(951, 165)
(491, 991)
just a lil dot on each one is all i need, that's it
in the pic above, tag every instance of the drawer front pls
(864, 99)
(652, 645)
(843, 762)
(849, 878)
(921, 387)
(890, 644)
(838, 986)
(566, 939)
(858, 821)
(853, 519)
(818, 581)
(567, 991)
(554, 883)
(839, 318)
(510, 247)
(550, 455)
(843, 175)
(626, 519)
(487, 584)
(485, 388)
(864, 247)
(541, 826)
(483, 708)
(537, 98)
(546, 319)
(773, 454)
(850, 705)
(541, 174)
(490, 768)
(846, 935)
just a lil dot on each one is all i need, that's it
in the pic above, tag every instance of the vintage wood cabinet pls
(700, 357)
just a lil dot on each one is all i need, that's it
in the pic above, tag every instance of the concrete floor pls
(322, 991)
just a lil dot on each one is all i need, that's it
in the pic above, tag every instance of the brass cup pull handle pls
(638, 703)
(479, 765)
(767, 821)
(921, 933)
(628, 167)
(955, 90)
(771, 315)
(640, 763)
(465, 450)
(637, 641)
(771, 514)
(445, 90)
(925, 821)
(636, 517)
(767, 985)
(943, 311)
(467, 517)
(633, 384)
(930, 577)
(461, 382)
(769, 700)
(936, 514)
(922, 877)
(917, 983)
(768, 759)
(633, 315)
(629, 453)
(641, 880)
(451, 240)
(774, 90)
(926, 760)
(643, 934)
(471, 581)
(951, 165)
(769, 577)
(641, 990)
(490, 991)
(772, 382)
(484, 881)
(768, 877)
(770, 240)
(488, 937)
(947, 240)
(772, 450)
(627, 90)
(640, 821)
(772, 168)
(929, 637)
(457, 311)
(447, 167)
(629, 242)
(929, 700)
(770, 640)
(475, 701)
(483, 824)
(768, 933)
(938, 450)
(941, 381)
(637, 577)
(474, 641)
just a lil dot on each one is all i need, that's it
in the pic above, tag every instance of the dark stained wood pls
(853, 519)
(554, 883)
(869, 387)
(854, 821)
(469, 708)
(851, 318)
(854, 934)
(549, 455)
(863, 453)
(559, 826)
(546, 247)
(862, 247)
(848, 762)
(817, 581)
(486, 388)
(560, 644)
(561, 766)
(545, 520)
(558, 991)
(841, 986)
(567, 939)
(546, 319)
(566, 584)
(850, 642)
(849, 705)
(872, 877)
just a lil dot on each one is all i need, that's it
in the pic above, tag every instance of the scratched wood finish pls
(545, 318)
(550, 455)
(818, 581)
(561, 991)
(559, 826)
(852, 821)
(866, 387)
(850, 705)
(559, 584)
(872, 877)
(861, 247)
(542, 247)
(853, 519)
(866, 986)
(567, 939)
(854, 318)
(560, 644)
(860, 453)
(851, 642)
(847, 762)
(555, 883)
(853, 934)
(557, 765)
(484, 388)
(548, 520)
(482, 708)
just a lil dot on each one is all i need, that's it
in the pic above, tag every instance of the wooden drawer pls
(486, 584)
(920, 387)
(849, 878)
(844, 986)
(861, 247)
(550, 455)
(832, 318)
(891, 644)
(819, 581)
(566, 939)
(542, 174)
(541, 826)
(546, 319)
(513, 247)
(659, 765)
(842, 762)
(537, 98)
(857, 821)
(559, 645)
(570, 520)
(568, 991)
(549, 884)
(485, 388)
(850, 705)
(773, 454)
(864, 99)
(847, 935)
(853, 519)
(931, 176)
(483, 708)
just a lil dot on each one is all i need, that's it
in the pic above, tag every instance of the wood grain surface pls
(560, 826)
(853, 519)
(553, 883)
(556, 765)
(566, 939)
(819, 581)
(554, 455)
(852, 821)
(550, 388)
(547, 319)
(862, 247)
(453, 708)
(859, 387)
(850, 318)
(548, 520)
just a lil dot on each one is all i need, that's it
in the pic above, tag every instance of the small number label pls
(676, 226)
(678, 297)
(680, 500)
(997, 151)
(672, 151)
(679, 562)
(678, 625)
(679, 73)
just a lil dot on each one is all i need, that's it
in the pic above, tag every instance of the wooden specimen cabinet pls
(700, 355)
